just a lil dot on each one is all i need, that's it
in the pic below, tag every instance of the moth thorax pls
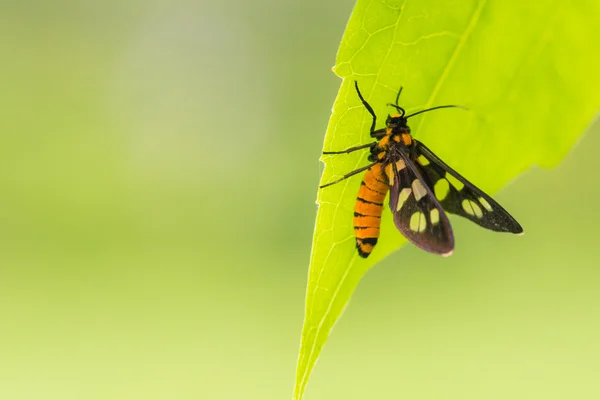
(404, 138)
(384, 142)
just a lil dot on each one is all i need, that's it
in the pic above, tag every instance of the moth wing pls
(460, 197)
(417, 213)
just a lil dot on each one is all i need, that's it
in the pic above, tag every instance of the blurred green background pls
(159, 169)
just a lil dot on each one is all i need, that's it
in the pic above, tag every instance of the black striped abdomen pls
(368, 209)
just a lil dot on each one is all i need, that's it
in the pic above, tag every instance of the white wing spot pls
(418, 223)
(419, 189)
(441, 189)
(402, 197)
(472, 208)
(485, 204)
(422, 160)
(455, 182)
(434, 215)
(400, 165)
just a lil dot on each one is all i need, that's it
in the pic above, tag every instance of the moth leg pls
(349, 174)
(351, 149)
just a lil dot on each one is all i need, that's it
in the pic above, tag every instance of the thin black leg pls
(351, 149)
(379, 133)
(349, 174)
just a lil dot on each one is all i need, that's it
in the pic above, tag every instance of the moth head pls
(395, 121)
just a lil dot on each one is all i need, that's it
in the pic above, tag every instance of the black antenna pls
(398, 95)
(435, 108)
(395, 105)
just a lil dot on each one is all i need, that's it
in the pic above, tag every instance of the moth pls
(422, 189)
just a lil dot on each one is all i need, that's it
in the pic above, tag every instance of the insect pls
(422, 189)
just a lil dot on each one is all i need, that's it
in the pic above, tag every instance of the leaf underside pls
(528, 74)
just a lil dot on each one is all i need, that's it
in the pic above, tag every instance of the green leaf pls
(528, 72)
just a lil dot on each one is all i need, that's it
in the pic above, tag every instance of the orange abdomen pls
(368, 209)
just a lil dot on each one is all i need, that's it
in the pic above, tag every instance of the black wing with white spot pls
(417, 213)
(460, 197)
